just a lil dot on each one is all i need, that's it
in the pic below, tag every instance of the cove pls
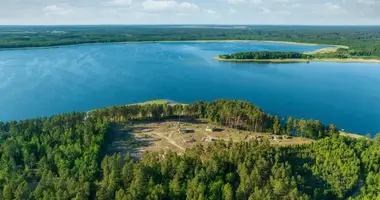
(43, 82)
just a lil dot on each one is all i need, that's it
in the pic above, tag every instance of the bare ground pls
(156, 136)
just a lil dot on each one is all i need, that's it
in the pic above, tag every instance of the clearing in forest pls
(138, 137)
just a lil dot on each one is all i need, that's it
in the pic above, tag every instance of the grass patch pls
(142, 135)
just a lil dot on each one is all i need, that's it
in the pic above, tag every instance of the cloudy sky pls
(363, 12)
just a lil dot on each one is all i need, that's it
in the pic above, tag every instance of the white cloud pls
(56, 10)
(211, 12)
(145, 14)
(297, 5)
(367, 2)
(333, 10)
(232, 11)
(152, 5)
(190, 11)
(120, 2)
(256, 1)
(332, 6)
(283, 12)
(187, 5)
(265, 10)
(235, 1)
(246, 1)
(182, 14)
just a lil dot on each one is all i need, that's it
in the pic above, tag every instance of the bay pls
(43, 82)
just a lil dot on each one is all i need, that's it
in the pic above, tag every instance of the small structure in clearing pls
(184, 130)
(147, 130)
(208, 139)
(286, 137)
(188, 140)
(276, 137)
(210, 128)
(259, 137)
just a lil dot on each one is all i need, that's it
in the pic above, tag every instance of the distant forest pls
(364, 41)
(63, 157)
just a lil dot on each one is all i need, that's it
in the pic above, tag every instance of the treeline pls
(328, 169)
(363, 41)
(51, 158)
(266, 55)
(235, 114)
(63, 157)
(341, 53)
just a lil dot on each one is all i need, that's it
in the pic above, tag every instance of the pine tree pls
(276, 126)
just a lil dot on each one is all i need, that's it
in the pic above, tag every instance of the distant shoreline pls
(176, 41)
(331, 48)
(348, 60)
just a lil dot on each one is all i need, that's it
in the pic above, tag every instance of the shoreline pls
(179, 41)
(331, 48)
(349, 60)
(353, 135)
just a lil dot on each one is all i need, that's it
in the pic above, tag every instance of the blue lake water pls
(79, 78)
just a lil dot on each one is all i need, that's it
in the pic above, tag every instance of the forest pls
(266, 55)
(363, 41)
(63, 157)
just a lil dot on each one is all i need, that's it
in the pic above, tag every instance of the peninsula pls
(332, 54)
(167, 150)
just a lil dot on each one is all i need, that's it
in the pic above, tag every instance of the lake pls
(43, 82)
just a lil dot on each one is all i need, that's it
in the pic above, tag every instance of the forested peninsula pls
(363, 42)
(331, 55)
(67, 157)
(266, 56)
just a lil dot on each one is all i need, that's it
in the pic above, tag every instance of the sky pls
(302, 12)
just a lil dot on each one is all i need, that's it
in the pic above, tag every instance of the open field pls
(326, 50)
(139, 137)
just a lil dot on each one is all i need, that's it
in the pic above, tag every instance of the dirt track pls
(169, 139)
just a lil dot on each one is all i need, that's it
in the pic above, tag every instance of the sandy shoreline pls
(326, 50)
(179, 41)
(353, 135)
(358, 60)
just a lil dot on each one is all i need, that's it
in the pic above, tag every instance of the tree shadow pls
(218, 130)
(310, 180)
(123, 140)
